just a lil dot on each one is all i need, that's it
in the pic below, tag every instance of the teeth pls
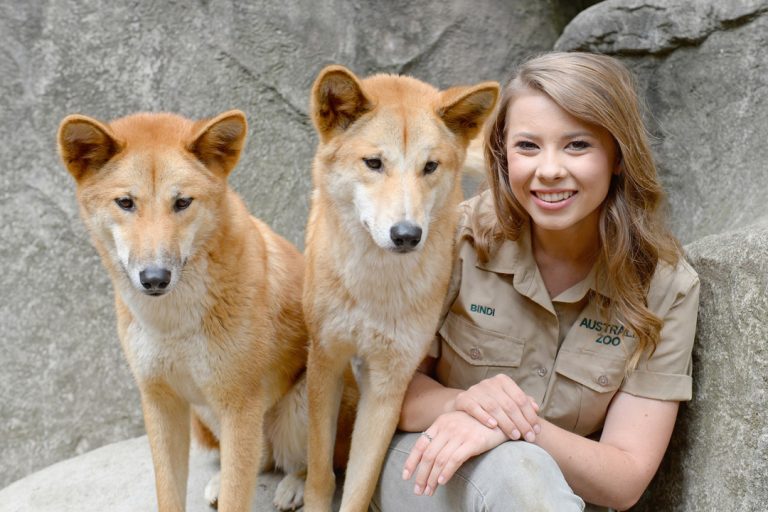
(554, 198)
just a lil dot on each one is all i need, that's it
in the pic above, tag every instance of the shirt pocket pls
(584, 388)
(470, 353)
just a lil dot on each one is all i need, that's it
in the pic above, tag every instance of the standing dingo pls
(379, 251)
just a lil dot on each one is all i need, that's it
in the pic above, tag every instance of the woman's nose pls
(550, 167)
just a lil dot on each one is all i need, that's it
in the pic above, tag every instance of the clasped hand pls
(486, 415)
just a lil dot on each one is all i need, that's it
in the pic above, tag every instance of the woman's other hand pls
(499, 402)
(450, 441)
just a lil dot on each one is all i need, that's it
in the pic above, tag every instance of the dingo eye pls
(373, 164)
(126, 203)
(430, 167)
(182, 204)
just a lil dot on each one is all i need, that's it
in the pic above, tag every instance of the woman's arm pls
(615, 471)
(425, 399)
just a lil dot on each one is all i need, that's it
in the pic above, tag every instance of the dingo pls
(208, 298)
(386, 181)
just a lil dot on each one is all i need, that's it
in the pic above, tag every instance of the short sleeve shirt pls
(501, 319)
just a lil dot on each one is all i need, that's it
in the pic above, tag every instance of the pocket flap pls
(598, 373)
(478, 346)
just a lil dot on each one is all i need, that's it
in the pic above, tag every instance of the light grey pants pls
(515, 476)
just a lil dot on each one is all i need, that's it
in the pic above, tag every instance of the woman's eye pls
(182, 203)
(525, 145)
(126, 203)
(430, 167)
(373, 164)
(579, 145)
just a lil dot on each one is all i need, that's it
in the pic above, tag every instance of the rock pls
(718, 456)
(119, 478)
(65, 386)
(703, 69)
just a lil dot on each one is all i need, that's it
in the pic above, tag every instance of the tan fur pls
(361, 298)
(227, 336)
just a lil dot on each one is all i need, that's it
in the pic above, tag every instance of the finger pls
(414, 457)
(524, 402)
(501, 408)
(534, 404)
(441, 460)
(522, 412)
(476, 410)
(427, 461)
(458, 457)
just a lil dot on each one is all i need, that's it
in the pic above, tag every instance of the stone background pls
(64, 386)
(701, 65)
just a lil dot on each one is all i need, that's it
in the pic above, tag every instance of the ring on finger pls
(429, 437)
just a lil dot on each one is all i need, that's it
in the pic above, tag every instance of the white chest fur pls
(166, 340)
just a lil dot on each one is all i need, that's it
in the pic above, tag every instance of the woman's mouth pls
(554, 197)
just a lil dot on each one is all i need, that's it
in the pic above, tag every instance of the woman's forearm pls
(424, 401)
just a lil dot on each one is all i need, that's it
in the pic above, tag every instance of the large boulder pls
(718, 456)
(65, 386)
(703, 69)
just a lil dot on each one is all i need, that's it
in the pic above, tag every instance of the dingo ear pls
(337, 101)
(84, 144)
(464, 109)
(217, 142)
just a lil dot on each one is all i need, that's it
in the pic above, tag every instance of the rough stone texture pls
(64, 387)
(120, 478)
(703, 69)
(718, 456)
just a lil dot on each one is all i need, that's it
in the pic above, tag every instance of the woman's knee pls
(520, 476)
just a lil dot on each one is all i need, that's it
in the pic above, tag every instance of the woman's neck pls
(565, 257)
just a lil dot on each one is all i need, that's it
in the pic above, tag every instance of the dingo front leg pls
(378, 411)
(166, 419)
(325, 371)
(241, 450)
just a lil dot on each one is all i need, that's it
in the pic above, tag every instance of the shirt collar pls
(515, 257)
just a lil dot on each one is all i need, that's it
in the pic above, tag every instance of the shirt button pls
(541, 371)
(602, 380)
(474, 353)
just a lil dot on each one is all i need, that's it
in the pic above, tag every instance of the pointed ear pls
(85, 144)
(217, 142)
(465, 109)
(337, 101)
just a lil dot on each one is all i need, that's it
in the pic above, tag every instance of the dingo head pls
(391, 150)
(150, 187)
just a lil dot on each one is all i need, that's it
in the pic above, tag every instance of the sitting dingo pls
(207, 297)
(380, 236)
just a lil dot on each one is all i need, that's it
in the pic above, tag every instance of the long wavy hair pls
(599, 90)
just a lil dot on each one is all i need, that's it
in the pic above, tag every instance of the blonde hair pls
(599, 90)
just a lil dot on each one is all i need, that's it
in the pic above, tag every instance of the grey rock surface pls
(703, 70)
(119, 478)
(718, 456)
(64, 387)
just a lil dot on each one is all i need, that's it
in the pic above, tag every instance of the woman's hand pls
(453, 438)
(499, 402)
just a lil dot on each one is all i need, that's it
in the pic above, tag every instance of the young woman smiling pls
(565, 350)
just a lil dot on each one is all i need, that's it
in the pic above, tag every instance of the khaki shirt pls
(559, 351)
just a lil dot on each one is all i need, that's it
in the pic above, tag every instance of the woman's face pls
(560, 167)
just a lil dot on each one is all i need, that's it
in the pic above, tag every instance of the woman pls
(566, 346)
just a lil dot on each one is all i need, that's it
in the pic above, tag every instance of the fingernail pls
(537, 428)
(417, 489)
(428, 491)
(515, 434)
(530, 437)
(406, 474)
(441, 479)
(492, 423)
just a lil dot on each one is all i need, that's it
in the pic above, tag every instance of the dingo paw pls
(290, 492)
(212, 490)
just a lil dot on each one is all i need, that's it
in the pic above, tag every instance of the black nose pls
(405, 235)
(155, 279)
